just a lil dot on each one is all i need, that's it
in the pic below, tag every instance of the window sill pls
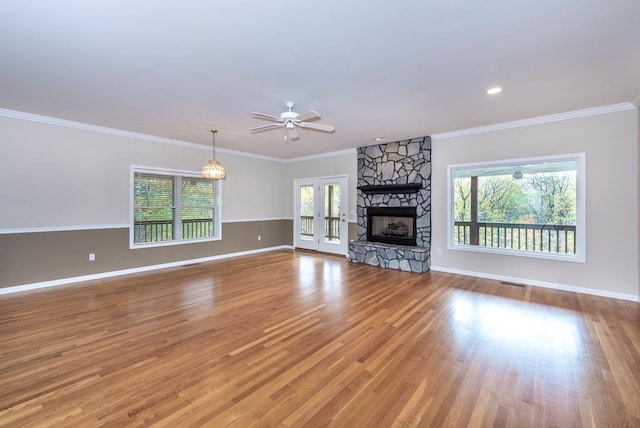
(575, 258)
(133, 246)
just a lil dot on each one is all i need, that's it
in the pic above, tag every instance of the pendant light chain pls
(213, 145)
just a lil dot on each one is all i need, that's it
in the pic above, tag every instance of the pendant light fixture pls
(213, 170)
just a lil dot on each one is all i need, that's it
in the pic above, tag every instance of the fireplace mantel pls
(390, 188)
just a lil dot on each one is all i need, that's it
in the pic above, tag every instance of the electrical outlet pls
(439, 251)
(92, 257)
(259, 238)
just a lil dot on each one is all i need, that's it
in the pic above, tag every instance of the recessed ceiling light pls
(493, 91)
(378, 139)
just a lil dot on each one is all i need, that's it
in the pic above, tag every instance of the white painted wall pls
(341, 163)
(610, 142)
(253, 189)
(62, 177)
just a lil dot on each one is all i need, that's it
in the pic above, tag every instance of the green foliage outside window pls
(173, 208)
(547, 198)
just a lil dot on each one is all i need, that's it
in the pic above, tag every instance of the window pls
(172, 207)
(531, 207)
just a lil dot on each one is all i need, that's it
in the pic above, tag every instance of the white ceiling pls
(402, 69)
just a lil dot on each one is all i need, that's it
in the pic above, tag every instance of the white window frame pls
(217, 207)
(579, 256)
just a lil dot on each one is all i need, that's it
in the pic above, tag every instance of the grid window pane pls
(174, 207)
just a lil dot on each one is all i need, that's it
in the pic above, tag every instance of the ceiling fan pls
(290, 120)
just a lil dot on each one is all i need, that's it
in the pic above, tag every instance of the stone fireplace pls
(394, 206)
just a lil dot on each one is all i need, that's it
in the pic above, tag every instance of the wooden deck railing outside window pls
(550, 238)
(162, 230)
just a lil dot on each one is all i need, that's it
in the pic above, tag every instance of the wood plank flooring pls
(297, 339)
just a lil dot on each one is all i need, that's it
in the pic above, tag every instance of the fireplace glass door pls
(392, 225)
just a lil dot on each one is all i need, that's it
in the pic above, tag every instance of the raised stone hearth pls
(390, 256)
(395, 175)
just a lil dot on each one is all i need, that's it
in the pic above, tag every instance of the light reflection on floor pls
(531, 329)
(200, 294)
(332, 286)
(313, 270)
(306, 275)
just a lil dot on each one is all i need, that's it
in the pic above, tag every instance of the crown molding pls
(442, 136)
(321, 155)
(96, 128)
(122, 133)
(536, 120)
(246, 154)
(146, 137)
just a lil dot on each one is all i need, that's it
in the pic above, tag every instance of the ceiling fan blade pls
(308, 115)
(291, 134)
(266, 117)
(318, 126)
(266, 127)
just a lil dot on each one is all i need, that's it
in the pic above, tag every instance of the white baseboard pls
(102, 275)
(555, 286)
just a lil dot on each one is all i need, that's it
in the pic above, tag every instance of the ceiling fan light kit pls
(290, 120)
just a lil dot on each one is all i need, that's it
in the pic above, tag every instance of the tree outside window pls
(529, 205)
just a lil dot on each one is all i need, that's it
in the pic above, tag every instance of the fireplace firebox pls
(392, 225)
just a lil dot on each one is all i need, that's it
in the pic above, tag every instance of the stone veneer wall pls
(402, 162)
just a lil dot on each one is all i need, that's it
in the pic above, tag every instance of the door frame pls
(318, 243)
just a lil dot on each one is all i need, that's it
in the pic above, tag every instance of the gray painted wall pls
(27, 258)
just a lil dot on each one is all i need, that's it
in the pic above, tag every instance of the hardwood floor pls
(293, 339)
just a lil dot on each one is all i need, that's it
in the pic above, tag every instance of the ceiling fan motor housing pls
(288, 116)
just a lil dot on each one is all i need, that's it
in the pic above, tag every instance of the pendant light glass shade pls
(213, 170)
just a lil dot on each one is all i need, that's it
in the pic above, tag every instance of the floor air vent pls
(515, 284)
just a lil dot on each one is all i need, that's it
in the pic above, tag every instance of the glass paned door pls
(321, 219)
(306, 211)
